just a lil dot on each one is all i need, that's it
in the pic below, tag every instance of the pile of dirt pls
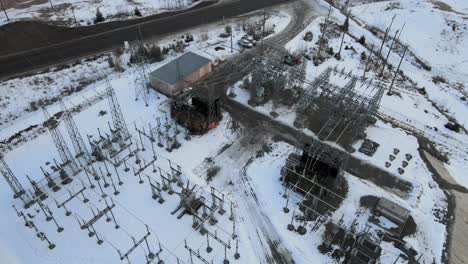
(368, 201)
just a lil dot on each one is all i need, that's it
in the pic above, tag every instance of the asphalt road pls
(41, 57)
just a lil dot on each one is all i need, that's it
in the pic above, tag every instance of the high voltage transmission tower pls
(140, 73)
(59, 142)
(118, 121)
(11, 179)
(74, 133)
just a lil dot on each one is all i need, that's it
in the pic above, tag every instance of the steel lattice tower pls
(74, 133)
(11, 179)
(62, 148)
(118, 120)
(316, 87)
(141, 75)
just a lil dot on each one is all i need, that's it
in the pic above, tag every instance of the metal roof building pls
(179, 73)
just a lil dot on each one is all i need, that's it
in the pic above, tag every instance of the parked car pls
(250, 39)
(244, 43)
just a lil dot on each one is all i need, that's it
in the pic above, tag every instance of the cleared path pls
(458, 225)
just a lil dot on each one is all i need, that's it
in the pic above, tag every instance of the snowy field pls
(411, 107)
(440, 42)
(430, 112)
(135, 212)
(83, 12)
(249, 163)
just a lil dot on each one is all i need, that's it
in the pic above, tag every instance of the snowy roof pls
(179, 68)
(393, 210)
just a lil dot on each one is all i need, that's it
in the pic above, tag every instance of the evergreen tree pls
(99, 17)
(362, 40)
(346, 24)
(137, 12)
(228, 30)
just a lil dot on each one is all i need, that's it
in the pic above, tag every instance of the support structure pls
(141, 72)
(136, 244)
(340, 115)
(342, 112)
(324, 32)
(62, 148)
(75, 135)
(387, 31)
(397, 71)
(120, 127)
(4, 10)
(10, 178)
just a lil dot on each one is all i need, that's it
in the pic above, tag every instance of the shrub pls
(363, 56)
(362, 40)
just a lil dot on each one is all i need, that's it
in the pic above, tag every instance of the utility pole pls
(4, 10)
(344, 29)
(342, 39)
(263, 30)
(397, 70)
(384, 39)
(395, 38)
(371, 49)
(231, 40)
(388, 53)
(319, 54)
(51, 5)
(74, 17)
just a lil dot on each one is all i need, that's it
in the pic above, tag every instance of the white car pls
(250, 39)
(244, 43)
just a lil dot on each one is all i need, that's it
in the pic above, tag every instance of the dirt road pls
(253, 119)
(457, 241)
(263, 235)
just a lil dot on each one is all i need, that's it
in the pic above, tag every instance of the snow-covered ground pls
(85, 11)
(248, 174)
(440, 42)
(411, 107)
(423, 201)
(19, 96)
(134, 206)
(428, 113)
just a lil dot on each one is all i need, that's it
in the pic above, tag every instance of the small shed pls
(180, 73)
(393, 211)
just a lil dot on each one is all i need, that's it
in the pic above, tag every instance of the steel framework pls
(11, 179)
(75, 135)
(59, 142)
(342, 104)
(141, 74)
(118, 121)
(345, 111)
